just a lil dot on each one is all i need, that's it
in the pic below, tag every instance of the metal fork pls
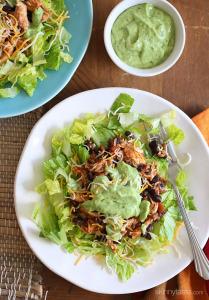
(200, 260)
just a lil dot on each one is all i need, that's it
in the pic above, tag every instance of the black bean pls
(101, 238)
(145, 194)
(74, 203)
(155, 197)
(90, 176)
(127, 133)
(8, 8)
(90, 144)
(117, 140)
(150, 227)
(162, 185)
(155, 179)
(140, 167)
(30, 16)
(78, 220)
(109, 177)
(147, 236)
(151, 191)
(154, 146)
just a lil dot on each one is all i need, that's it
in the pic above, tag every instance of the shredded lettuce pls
(47, 48)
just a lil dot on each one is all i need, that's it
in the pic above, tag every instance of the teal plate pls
(80, 26)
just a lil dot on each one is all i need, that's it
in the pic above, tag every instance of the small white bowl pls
(179, 37)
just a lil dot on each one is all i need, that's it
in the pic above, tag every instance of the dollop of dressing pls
(143, 36)
(119, 196)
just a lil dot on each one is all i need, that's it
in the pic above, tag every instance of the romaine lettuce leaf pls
(37, 16)
(102, 135)
(165, 228)
(181, 183)
(9, 92)
(6, 68)
(38, 52)
(80, 152)
(58, 5)
(124, 268)
(53, 57)
(28, 82)
(126, 119)
(122, 104)
(168, 118)
(51, 166)
(85, 128)
(175, 134)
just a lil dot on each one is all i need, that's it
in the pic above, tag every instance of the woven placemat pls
(19, 269)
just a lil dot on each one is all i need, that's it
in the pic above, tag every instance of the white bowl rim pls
(116, 11)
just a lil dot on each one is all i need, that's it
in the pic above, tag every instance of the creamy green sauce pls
(143, 36)
(118, 196)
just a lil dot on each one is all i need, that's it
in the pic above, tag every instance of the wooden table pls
(186, 85)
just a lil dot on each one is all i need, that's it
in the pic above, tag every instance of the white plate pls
(89, 274)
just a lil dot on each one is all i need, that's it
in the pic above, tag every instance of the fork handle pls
(200, 260)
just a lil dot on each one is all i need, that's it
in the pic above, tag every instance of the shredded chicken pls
(131, 228)
(161, 208)
(127, 151)
(32, 5)
(159, 187)
(82, 173)
(90, 227)
(135, 233)
(7, 51)
(133, 155)
(129, 224)
(89, 222)
(80, 196)
(91, 214)
(149, 171)
(153, 207)
(46, 15)
(21, 15)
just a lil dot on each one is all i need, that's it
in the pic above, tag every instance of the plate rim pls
(65, 82)
(73, 98)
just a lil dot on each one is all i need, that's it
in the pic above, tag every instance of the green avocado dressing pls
(143, 36)
(118, 196)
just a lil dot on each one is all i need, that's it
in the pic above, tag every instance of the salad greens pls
(114, 195)
(31, 43)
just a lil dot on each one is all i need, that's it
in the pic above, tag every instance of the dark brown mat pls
(19, 269)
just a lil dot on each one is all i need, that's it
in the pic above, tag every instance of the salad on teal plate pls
(41, 44)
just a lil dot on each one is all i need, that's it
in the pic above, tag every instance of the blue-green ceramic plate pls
(80, 26)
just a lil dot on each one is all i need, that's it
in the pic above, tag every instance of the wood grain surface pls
(186, 85)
